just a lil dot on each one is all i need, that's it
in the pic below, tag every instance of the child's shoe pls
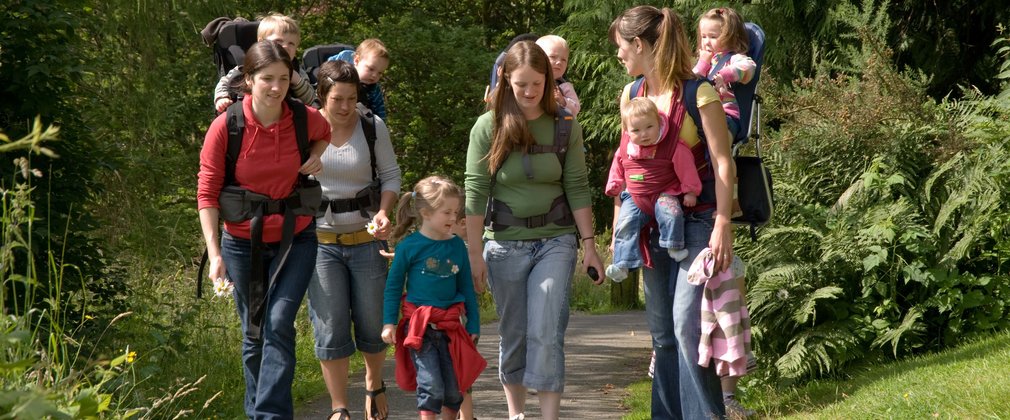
(735, 410)
(678, 254)
(617, 274)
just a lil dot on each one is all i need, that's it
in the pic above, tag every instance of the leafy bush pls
(888, 207)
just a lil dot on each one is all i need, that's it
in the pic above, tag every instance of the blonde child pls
(370, 59)
(557, 52)
(722, 58)
(435, 352)
(284, 31)
(652, 171)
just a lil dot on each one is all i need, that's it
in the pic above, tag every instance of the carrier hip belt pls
(500, 215)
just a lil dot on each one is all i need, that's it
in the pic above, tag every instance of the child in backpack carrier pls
(722, 58)
(284, 31)
(557, 52)
(370, 59)
(654, 180)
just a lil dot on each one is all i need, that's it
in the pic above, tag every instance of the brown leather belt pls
(347, 239)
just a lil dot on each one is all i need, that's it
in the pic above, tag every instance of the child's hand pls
(387, 254)
(560, 98)
(704, 56)
(312, 166)
(720, 84)
(389, 333)
(222, 104)
(474, 338)
(690, 200)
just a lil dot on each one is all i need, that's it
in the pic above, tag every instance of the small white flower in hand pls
(223, 287)
(371, 227)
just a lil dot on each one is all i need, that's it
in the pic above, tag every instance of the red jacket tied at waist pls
(467, 362)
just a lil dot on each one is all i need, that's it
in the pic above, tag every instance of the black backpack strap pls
(235, 119)
(368, 127)
(301, 120)
(562, 134)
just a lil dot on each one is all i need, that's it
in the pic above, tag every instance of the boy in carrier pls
(284, 31)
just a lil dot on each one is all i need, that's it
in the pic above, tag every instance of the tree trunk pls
(625, 293)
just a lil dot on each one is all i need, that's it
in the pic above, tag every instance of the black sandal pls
(343, 414)
(372, 409)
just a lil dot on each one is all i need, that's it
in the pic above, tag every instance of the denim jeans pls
(681, 389)
(669, 217)
(531, 283)
(348, 291)
(269, 362)
(436, 380)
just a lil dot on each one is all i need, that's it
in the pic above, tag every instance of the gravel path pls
(604, 354)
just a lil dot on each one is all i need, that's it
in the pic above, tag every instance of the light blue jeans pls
(269, 362)
(681, 389)
(669, 219)
(349, 287)
(531, 283)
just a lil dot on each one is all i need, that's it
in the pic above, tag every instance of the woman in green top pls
(530, 245)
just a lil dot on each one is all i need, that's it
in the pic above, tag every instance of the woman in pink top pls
(269, 163)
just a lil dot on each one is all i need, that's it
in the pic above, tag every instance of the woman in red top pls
(269, 163)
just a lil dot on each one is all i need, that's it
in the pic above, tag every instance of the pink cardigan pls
(725, 323)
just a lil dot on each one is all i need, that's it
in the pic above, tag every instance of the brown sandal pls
(372, 409)
(342, 414)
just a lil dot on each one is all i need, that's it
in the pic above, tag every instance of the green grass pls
(969, 381)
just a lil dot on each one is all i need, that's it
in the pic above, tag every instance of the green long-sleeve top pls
(527, 197)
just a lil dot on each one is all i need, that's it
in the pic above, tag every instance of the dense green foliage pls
(889, 158)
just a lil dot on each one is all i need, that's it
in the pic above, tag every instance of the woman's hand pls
(478, 270)
(382, 225)
(592, 259)
(217, 268)
(389, 333)
(721, 244)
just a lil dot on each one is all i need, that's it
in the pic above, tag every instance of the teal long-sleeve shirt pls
(527, 197)
(436, 272)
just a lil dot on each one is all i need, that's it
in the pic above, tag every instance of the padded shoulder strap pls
(301, 120)
(235, 120)
(691, 103)
(636, 87)
(368, 127)
(562, 134)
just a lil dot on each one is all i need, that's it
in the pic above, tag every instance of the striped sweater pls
(725, 323)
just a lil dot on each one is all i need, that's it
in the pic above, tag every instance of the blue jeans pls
(348, 290)
(669, 217)
(436, 380)
(531, 283)
(681, 389)
(269, 362)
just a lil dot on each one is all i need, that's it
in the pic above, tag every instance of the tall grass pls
(49, 366)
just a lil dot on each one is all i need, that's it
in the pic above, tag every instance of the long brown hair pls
(663, 30)
(732, 34)
(427, 195)
(510, 130)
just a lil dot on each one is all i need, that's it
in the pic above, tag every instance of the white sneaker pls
(520, 416)
(617, 274)
(678, 254)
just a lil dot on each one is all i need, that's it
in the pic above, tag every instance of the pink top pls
(739, 69)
